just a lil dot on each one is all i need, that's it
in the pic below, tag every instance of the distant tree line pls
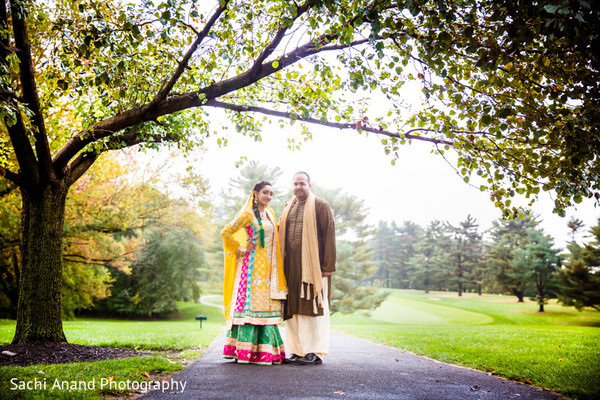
(517, 258)
(134, 249)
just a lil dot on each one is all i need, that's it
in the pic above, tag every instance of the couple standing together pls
(275, 273)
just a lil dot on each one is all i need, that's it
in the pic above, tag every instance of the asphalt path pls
(354, 369)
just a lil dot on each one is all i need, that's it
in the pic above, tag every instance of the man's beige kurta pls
(293, 256)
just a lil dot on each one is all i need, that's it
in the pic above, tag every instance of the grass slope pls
(558, 349)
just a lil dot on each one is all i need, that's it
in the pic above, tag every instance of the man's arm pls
(326, 227)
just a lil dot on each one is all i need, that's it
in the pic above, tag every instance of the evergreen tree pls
(407, 237)
(574, 225)
(466, 252)
(349, 212)
(354, 265)
(236, 195)
(538, 263)
(507, 237)
(580, 277)
(428, 267)
(487, 280)
(481, 275)
(385, 253)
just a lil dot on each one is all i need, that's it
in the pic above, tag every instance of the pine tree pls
(466, 252)
(354, 265)
(507, 237)
(385, 253)
(407, 237)
(580, 277)
(429, 266)
(539, 263)
(239, 188)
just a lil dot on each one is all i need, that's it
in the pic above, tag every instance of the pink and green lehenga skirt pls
(254, 344)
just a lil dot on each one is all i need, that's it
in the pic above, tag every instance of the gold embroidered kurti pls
(258, 285)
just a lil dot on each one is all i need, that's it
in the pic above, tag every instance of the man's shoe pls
(292, 360)
(310, 359)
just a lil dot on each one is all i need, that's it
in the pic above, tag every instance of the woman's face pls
(264, 195)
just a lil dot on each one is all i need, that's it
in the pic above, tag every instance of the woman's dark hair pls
(257, 188)
(259, 185)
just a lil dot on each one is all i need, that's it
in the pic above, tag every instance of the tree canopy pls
(511, 86)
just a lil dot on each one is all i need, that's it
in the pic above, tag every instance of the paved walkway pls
(207, 300)
(355, 369)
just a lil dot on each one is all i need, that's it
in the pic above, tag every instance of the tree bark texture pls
(40, 307)
(520, 296)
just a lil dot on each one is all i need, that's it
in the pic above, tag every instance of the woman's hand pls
(250, 246)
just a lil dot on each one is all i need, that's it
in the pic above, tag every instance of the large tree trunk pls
(520, 296)
(39, 315)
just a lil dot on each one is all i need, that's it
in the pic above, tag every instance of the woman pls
(254, 283)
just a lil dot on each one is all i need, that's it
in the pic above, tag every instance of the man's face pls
(301, 187)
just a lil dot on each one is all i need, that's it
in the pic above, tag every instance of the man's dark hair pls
(303, 173)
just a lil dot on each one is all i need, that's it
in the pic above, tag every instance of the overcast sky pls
(421, 187)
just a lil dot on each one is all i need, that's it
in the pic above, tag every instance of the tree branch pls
(134, 116)
(6, 96)
(23, 151)
(80, 165)
(11, 176)
(343, 46)
(84, 161)
(9, 243)
(338, 125)
(270, 48)
(188, 100)
(166, 89)
(29, 88)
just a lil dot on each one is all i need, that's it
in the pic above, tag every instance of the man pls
(307, 240)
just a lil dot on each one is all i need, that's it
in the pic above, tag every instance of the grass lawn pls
(175, 342)
(558, 349)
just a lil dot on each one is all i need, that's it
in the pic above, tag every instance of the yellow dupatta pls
(231, 247)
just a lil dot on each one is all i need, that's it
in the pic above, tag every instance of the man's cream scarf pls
(311, 267)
